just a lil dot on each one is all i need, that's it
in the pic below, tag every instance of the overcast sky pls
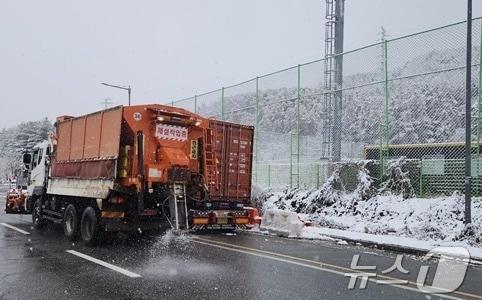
(54, 54)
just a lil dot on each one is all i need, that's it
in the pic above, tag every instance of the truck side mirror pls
(27, 158)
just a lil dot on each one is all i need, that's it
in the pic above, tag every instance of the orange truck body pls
(144, 148)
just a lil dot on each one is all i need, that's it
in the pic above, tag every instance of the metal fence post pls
(468, 118)
(298, 110)
(296, 153)
(479, 104)
(269, 175)
(256, 131)
(384, 128)
(222, 103)
(317, 176)
(479, 115)
(420, 187)
(195, 104)
(291, 159)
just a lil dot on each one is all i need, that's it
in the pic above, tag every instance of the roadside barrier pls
(282, 223)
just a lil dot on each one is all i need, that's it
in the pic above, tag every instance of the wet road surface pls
(44, 265)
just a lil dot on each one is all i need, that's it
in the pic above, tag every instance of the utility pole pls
(338, 105)
(468, 119)
(106, 102)
(333, 80)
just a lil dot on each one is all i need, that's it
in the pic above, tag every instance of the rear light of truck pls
(242, 220)
(200, 221)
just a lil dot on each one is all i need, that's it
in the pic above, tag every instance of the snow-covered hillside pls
(15, 140)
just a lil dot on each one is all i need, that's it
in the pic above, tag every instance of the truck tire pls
(28, 204)
(37, 220)
(89, 227)
(71, 223)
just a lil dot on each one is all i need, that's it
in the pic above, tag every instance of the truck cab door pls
(37, 172)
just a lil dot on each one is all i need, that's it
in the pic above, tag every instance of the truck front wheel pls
(89, 227)
(71, 223)
(37, 220)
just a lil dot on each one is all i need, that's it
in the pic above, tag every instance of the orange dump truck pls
(140, 168)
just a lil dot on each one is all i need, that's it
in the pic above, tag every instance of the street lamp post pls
(128, 89)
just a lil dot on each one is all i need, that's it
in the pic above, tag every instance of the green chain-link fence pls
(400, 97)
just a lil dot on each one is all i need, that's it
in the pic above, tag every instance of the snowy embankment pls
(388, 220)
(380, 216)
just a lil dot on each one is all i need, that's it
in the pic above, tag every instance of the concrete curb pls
(394, 248)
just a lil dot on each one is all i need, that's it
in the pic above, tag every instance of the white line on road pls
(104, 264)
(312, 266)
(15, 228)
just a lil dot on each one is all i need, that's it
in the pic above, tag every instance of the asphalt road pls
(44, 265)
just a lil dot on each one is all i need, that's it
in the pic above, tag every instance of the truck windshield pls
(40, 154)
(35, 158)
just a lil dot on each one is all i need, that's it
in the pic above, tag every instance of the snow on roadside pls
(388, 214)
(433, 219)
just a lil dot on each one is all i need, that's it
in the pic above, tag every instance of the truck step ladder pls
(178, 206)
(210, 159)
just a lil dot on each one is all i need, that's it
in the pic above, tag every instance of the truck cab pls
(36, 164)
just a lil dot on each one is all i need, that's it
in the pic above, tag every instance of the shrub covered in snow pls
(472, 234)
(397, 179)
(330, 191)
(365, 188)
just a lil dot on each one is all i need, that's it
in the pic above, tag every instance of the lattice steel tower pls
(333, 80)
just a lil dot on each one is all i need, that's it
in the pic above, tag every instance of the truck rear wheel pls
(37, 220)
(89, 227)
(71, 223)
